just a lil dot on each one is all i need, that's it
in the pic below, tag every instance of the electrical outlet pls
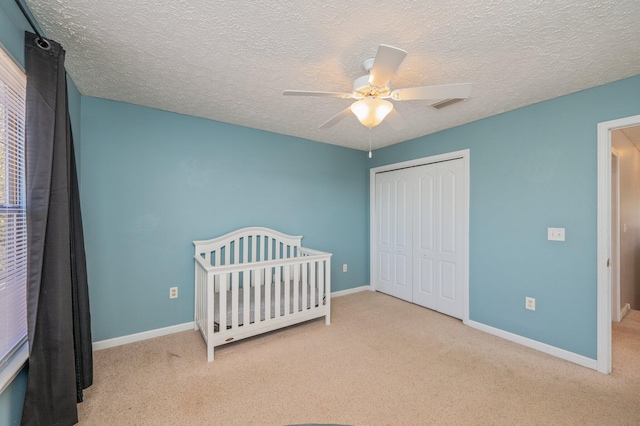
(173, 293)
(555, 234)
(530, 303)
(344, 268)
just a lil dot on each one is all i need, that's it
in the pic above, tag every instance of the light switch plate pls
(555, 234)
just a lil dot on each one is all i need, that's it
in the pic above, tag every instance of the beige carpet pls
(381, 362)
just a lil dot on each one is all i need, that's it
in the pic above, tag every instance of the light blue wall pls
(153, 181)
(531, 169)
(12, 28)
(11, 400)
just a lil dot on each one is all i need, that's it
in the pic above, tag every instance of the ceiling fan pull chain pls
(369, 143)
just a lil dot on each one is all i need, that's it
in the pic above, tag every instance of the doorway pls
(625, 220)
(419, 231)
(604, 237)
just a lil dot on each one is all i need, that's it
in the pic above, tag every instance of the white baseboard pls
(351, 291)
(534, 344)
(624, 311)
(117, 341)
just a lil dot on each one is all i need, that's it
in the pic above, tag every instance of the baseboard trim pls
(624, 311)
(117, 341)
(137, 337)
(351, 291)
(534, 344)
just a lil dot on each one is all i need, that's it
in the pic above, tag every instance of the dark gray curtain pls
(59, 325)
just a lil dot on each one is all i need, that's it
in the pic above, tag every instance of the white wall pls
(629, 219)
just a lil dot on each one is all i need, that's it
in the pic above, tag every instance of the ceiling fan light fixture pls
(371, 110)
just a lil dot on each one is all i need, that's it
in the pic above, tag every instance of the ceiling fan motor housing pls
(362, 88)
(361, 84)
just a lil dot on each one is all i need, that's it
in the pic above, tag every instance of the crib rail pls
(253, 244)
(234, 301)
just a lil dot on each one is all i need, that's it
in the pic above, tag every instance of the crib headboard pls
(252, 244)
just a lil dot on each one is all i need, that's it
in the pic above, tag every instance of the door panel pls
(385, 267)
(447, 281)
(394, 240)
(384, 197)
(450, 256)
(425, 245)
(447, 200)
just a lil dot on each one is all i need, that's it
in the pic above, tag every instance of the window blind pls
(13, 218)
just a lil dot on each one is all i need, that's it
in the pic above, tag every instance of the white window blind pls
(13, 221)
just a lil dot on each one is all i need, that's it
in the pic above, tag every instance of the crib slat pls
(305, 283)
(245, 249)
(234, 300)
(287, 290)
(320, 282)
(252, 240)
(246, 303)
(296, 288)
(312, 284)
(277, 293)
(267, 293)
(222, 294)
(268, 251)
(257, 285)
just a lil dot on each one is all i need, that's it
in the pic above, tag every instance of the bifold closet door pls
(420, 226)
(438, 230)
(394, 239)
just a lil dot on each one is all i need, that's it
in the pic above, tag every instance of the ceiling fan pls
(373, 89)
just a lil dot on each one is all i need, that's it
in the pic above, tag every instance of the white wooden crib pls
(290, 283)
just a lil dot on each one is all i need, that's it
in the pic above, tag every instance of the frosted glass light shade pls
(371, 111)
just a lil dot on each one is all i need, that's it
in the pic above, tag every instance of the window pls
(13, 221)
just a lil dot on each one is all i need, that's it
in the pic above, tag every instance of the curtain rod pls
(42, 42)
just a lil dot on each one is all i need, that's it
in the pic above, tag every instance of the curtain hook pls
(43, 43)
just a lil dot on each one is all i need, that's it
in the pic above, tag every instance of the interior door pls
(394, 239)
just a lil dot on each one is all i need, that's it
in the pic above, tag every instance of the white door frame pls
(465, 156)
(604, 238)
(615, 236)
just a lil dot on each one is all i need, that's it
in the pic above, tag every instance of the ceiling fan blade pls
(321, 94)
(336, 119)
(396, 120)
(445, 91)
(385, 65)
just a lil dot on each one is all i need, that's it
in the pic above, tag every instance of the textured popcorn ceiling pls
(230, 61)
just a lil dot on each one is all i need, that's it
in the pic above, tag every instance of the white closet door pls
(425, 230)
(420, 235)
(449, 256)
(394, 216)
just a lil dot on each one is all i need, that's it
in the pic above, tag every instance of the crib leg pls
(327, 318)
(209, 352)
